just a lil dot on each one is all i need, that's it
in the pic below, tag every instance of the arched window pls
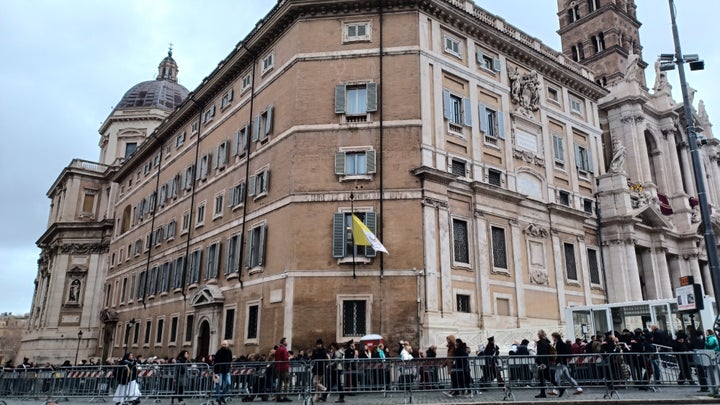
(581, 51)
(594, 41)
(601, 41)
(125, 225)
(574, 53)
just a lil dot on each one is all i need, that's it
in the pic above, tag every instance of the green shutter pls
(251, 186)
(266, 181)
(482, 110)
(370, 159)
(578, 157)
(467, 112)
(447, 105)
(248, 251)
(339, 235)
(256, 128)
(496, 65)
(269, 121)
(340, 99)
(479, 58)
(371, 223)
(372, 100)
(340, 163)
(261, 248)
(589, 165)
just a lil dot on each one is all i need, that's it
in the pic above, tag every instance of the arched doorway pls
(203, 346)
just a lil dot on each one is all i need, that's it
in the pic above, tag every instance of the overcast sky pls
(66, 63)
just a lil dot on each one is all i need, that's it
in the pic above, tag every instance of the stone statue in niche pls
(524, 90)
(618, 159)
(632, 68)
(74, 294)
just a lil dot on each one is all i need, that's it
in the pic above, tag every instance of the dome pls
(164, 92)
(154, 94)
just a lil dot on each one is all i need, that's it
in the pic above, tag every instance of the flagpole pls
(352, 234)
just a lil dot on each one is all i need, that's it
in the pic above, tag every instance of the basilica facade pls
(479, 156)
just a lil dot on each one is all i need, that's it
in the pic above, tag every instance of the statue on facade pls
(632, 68)
(618, 158)
(74, 295)
(662, 86)
(525, 90)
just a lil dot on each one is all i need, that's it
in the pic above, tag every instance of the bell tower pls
(602, 35)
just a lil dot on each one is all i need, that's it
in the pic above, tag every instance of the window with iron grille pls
(462, 303)
(173, 329)
(458, 167)
(594, 268)
(252, 323)
(570, 265)
(160, 330)
(564, 197)
(460, 241)
(229, 323)
(494, 177)
(148, 325)
(354, 317)
(498, 247)
(588, 206)
(189, 327)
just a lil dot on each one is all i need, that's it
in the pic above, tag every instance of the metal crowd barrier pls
(461, 376)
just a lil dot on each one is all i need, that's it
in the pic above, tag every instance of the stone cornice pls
(435, 175)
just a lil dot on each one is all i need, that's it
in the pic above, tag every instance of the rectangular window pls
(499, 254)
(173, 329)
(194, 273)
(495, 177)
(208, 114)
(148, 325)
(588, 206)
(462, 303)
(354, 163)
(253, 322)
(132, 288)
(458, 167)
(123, 290)
(203, 167)
(233, 255)
(180, 140)
(461, 252)
(200, 218)
(218, 211)
(576, 105)
(457, 111)
(136, 334)
(170, 229)
(268, 62)
(185, 222)
(553, 95)
(213, 261)
(159, 331)
(256, 246)
(88, 206)
(503, 306)
(593, 266)
(130, 148)
(195, 127)
(259, 183)
(570, 266)
(357, 31)
(179, 272)
(222, 154)
(262, 125)
(226, 99)
(564, 198)
(242, 140)
(354, 318)
(452, 46)
(189, 328)
(355, 100)
(229, 323)
(246, 81)
(343, 246)
(237, 195)
(152, 281)
(583, 160)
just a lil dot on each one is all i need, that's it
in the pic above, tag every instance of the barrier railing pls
(311, 381)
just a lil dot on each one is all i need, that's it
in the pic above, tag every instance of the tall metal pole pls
(710, 242)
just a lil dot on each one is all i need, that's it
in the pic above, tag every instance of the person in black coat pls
(126, 376)
(221, 368)
(181, 363)
(681, 345)
(542, 360)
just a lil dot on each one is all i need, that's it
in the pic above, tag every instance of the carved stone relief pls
(524, 90)
(536, 231)
(529, 157)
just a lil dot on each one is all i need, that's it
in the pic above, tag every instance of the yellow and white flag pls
(364, 237)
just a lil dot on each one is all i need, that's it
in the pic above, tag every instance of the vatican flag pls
(364, 237)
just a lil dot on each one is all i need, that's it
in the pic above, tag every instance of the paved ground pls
(669, 395)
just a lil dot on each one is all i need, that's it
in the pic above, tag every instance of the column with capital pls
(482, 267)
(516, 238)
(662, 273)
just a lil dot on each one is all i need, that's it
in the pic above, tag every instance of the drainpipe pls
(192, 208)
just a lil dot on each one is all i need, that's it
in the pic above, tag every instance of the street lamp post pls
(666, 63)
(78, 347)
(128, 328)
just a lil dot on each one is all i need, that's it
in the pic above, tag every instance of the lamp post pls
(78, 347)
(667, 62)
(128, 328)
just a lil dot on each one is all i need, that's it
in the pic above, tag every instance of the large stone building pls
(12, 328)
(470, 148)
(651, 229)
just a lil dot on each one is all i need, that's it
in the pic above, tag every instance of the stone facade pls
(471, 149)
